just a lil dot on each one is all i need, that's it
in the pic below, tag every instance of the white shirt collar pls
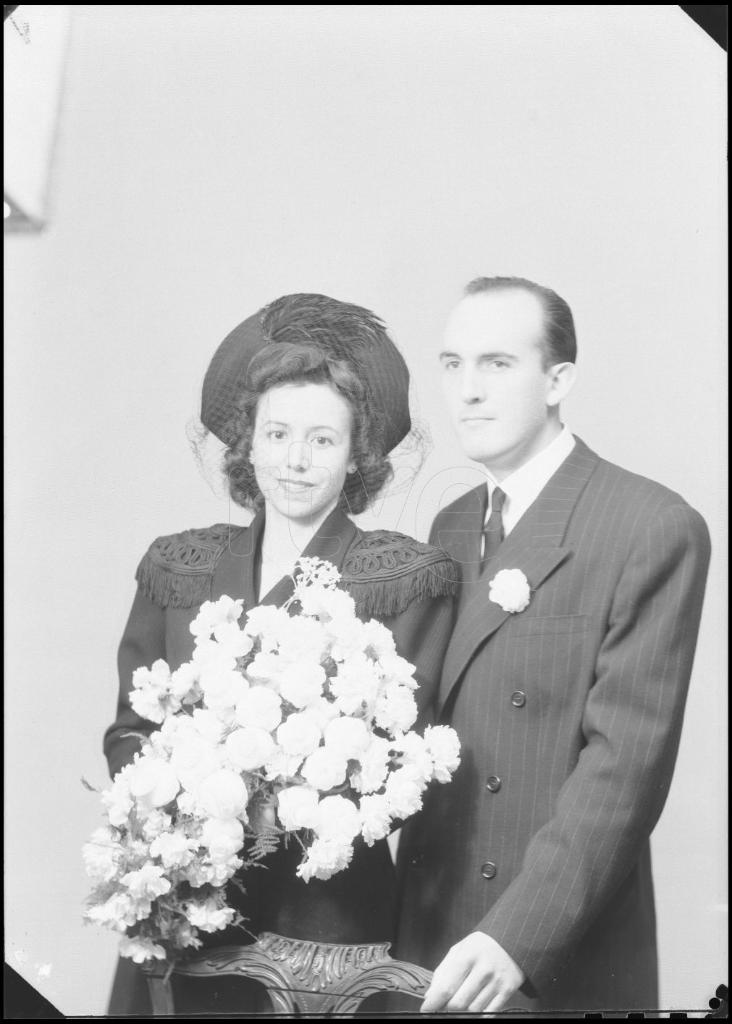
(525, 484)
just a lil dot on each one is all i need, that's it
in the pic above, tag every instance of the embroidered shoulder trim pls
(386, 571)
(177, 570)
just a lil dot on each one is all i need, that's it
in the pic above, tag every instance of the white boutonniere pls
(510, 589)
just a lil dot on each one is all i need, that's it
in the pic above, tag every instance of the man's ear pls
(560, 379)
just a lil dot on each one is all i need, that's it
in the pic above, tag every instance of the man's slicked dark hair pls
(559, 344)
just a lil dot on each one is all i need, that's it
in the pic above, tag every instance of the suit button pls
(518, 698)
(416, 860)
(488, 870)
(493, 783)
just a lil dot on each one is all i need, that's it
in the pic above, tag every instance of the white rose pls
(324, 769)
(444, 747)
(208, 916)
(223, 838)
(301, 683)
(510, 589)
(375, 818)
(404, 789)
(147, 883)
(153, 783)
(173, 848)
(348, 736)
(248, 748)
(324, 857)
(260, 708)
(297, 807)
(194, 759)
(222, 795)
(337, 817)
(374, 765)
(140, 949)
(396, 709)
(299, 735)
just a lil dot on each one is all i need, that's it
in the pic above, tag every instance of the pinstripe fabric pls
(576, 706)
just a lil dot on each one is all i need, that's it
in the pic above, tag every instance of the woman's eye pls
(450, 364)
(276, 435)
(322, 441)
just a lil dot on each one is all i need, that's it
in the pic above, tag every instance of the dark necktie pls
(493, 529)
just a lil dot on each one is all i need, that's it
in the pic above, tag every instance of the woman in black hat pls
(309, 396)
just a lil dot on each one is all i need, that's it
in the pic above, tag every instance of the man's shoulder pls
(386, 570)
(176, 568)
(642, 499)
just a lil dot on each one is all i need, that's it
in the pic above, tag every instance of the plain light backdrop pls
(209, 159)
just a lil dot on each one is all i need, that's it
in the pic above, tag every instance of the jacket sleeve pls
(143, 642)
(631, 723)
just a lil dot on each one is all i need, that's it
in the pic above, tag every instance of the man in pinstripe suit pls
(527, 881)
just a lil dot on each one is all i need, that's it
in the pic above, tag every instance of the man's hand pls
(476, 975)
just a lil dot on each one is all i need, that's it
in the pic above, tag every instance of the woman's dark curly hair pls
(301, 362)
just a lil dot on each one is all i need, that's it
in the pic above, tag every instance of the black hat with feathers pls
(339, 329)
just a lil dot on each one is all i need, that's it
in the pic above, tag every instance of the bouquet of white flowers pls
(299, 722)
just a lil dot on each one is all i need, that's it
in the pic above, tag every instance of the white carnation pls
(301, 683)
(355, 685)
(324, 769)
(303, 640)
(297, 807)
(223, 838)
(155, 823)
(208, 725)
(232, 639)
(374, 765)
(282, 766)
(398, 670)
(299, 735)
(416, 753)
(119, 912)
(117, 799)
(337, 817)
(348, 736)
(375, 818)
(223, 794)
(327, 604)
(265, 667)
(248, 748)
(184, 683)
(396, 709)
(324, 857)
(260, 708)
(444, 747)
(404, 789)
(269, 623)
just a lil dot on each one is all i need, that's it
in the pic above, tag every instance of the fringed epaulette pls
(385, 571)
(176, 571)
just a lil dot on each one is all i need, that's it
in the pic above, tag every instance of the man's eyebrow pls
(448, 355)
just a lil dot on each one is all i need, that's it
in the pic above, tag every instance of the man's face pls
(499, 395)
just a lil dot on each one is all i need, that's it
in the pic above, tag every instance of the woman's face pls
(301, 449)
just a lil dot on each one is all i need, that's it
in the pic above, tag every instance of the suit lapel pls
(534, 546)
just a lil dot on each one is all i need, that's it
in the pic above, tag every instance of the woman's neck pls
(284, 539)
